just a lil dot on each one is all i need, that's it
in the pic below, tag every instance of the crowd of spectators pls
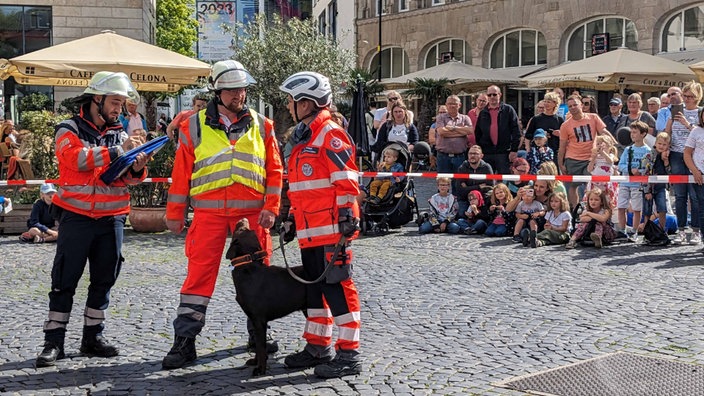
(659, 135)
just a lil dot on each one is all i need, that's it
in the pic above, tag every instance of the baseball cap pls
(615, 101)
(539, 133)
(47, 188)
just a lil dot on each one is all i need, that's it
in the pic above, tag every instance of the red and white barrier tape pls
(673, 179)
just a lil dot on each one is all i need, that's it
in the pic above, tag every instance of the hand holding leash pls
(288, 229)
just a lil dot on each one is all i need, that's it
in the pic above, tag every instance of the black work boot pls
(52, 352)
(305, 358)
(182, 353)
(97, 345)
(344, 363)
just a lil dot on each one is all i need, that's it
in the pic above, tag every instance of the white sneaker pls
(680, 238)
(696, 238)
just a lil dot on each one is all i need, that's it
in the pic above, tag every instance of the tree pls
(176, 30)
(273, 49)
(431, 91)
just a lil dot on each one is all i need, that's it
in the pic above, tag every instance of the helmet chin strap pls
(100, 108)
(300, 119)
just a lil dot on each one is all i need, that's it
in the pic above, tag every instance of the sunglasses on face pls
(492, 94)
(393, 99)
(586, 103)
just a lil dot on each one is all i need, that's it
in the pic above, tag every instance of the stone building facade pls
(414, 33)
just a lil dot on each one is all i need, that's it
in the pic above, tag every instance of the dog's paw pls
(258, 371)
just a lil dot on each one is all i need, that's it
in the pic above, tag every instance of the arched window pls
(454, 48)
(684, 30)
(523, 47)
(394, 63)
(622, 33)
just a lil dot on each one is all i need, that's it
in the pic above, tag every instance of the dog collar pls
(248, 258)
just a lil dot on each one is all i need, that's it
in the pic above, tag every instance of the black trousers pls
(83, 239)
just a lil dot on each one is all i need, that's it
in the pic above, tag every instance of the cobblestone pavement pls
(440, 314)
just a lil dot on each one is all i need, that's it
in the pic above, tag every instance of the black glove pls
(288, 229)
(347, 223)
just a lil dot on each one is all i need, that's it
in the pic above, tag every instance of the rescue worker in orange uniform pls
(324, 215)
(227, 167)
(91, 214)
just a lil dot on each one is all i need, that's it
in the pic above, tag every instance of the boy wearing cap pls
(540, 152)
(41, 224)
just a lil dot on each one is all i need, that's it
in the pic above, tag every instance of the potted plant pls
(148, 199)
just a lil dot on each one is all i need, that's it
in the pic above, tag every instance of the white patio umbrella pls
(615, 70)
(73, 63)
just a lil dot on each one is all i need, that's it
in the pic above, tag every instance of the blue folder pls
(121, 164)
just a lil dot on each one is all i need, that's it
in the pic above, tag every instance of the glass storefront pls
(23, 29)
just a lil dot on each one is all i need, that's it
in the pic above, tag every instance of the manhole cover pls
(618, 374)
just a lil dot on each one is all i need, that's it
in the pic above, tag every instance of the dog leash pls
(338, 248)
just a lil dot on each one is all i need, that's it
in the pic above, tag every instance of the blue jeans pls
(448, 164)
(699, 192)
(427, 228)
(479, 226)
(683, 192)
(496, 230)
(658, 201)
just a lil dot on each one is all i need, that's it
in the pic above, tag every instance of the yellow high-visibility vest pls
(219, 164)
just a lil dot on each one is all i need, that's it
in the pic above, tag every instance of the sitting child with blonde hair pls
(379, 187)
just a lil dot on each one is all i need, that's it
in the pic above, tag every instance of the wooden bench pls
(15, 222)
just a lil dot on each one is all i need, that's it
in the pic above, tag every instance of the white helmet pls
(229, 74)
(112, 83)
(308, 85)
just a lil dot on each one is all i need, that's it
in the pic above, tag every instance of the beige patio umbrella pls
(466, 77)
(615, 70)
(698, 68)
(72, 64)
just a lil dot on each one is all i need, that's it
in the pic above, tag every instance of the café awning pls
(72, 64)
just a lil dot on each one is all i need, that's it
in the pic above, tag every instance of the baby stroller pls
(399, 204)
(421, 156)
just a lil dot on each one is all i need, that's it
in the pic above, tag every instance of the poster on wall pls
(214, 43)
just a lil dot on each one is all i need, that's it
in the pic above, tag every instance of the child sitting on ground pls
(379, 187)
(476, 216)
(540, 153)
(41, 224)
(501, 222)
(595, 219)
(558, 222)
(443, 208)
(527, 213)
(631, 163)
(657, 162)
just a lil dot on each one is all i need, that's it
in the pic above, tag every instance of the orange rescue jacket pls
(323, 178)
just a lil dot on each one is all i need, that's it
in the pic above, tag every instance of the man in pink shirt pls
(482, 100)
(577, 136)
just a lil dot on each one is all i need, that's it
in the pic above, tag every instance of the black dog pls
(264, 292)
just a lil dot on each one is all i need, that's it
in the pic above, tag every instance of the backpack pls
(654, 235)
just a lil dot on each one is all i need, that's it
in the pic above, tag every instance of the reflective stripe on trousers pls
(336, 303)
